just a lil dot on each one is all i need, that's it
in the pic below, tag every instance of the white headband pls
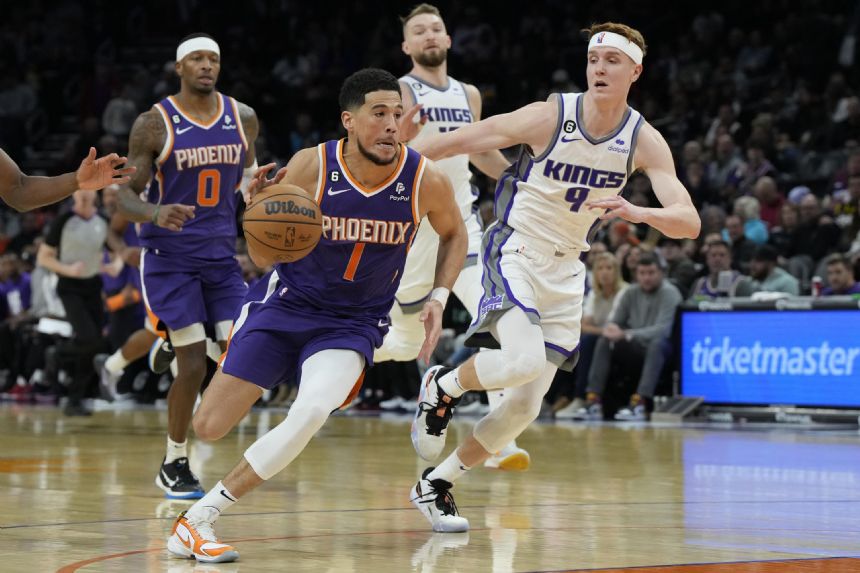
(194, 44)
(613, 40)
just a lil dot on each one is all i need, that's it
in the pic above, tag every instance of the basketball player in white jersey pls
(579, 150)
(446, 104)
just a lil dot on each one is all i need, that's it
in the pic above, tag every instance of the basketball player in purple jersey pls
(25, 192)
(194, 145)
(324, 315)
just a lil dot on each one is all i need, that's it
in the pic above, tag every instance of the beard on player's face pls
(432, 59)
(372, 157)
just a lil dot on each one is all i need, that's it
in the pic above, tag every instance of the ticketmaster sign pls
(808, 358)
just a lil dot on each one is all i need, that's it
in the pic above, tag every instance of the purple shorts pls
(276, 332)
(182, 291)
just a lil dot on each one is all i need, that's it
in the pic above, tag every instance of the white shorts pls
(526, 272)
(420, 269)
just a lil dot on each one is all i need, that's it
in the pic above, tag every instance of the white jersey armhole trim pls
(419, 176)
(235, 105)
(634, 139)
(168, 140)
(321, 173)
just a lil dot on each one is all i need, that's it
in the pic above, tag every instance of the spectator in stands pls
(607, 287)
(635, 341)
(840, 276)
(768, 275)
(782, 235)
(748, 209)
(119, 115)
(770, 200)
(73, 250)
(756, 167)
(722, 171)
(742, 248)
(721, 280)
(680, 270)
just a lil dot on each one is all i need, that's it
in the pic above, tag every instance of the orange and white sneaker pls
(510, 458)
(195, 539)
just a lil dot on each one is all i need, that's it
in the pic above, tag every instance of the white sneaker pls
(634, 414)
(434, 500)
(434, 411)
(396, 403)
(193, 538)
(511, 458)
(107, 379)
(568, 412)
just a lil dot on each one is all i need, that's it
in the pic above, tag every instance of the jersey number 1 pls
(208, 187)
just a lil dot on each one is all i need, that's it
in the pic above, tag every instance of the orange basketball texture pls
(282, 224)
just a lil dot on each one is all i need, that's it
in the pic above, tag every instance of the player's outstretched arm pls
(436, 200)
(532, 125)
(145, 141)
(491, 163)
(25, 192)
(677, 217)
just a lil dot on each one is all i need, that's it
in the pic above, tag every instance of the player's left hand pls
(618, 207)
(260, 180)
(431, 316)
(95, 174)
(407, 127)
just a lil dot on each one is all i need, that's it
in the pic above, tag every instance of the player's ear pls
(405, 47)
(178, 67)
(346, 119)
(637, 71)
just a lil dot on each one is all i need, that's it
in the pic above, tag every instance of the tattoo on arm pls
(145, 142)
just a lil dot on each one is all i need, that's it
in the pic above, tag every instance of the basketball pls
(282, 225)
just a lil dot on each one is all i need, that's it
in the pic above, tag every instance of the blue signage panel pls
(803, 358)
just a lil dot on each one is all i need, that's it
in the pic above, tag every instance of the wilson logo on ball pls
(288, 207)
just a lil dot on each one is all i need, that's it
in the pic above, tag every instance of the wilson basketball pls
(282, 224)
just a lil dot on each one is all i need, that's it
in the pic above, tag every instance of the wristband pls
(155, 215)
(440, 294)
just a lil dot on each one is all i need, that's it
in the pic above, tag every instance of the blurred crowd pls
(760, 103)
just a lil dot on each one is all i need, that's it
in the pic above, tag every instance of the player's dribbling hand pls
(407, 127)
(431, 316)
(95, 174)
(260, 181)
(174, 216)
(618, 207)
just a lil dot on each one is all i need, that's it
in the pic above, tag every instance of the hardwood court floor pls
(77, 495)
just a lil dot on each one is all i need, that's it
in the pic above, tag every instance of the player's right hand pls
(174, 216)
(260, 182)
(408, 127)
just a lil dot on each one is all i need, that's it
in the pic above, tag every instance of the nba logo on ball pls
(290, 237)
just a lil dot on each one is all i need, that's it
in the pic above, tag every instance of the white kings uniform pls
(446, 109)
(531, 255)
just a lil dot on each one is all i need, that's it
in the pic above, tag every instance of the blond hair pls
(418, 10)
(616, 269)
(631, 34)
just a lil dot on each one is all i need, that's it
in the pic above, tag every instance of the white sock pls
(449, 470)
(450, 383)
(116, 363)
(218, 498)
(175, 450)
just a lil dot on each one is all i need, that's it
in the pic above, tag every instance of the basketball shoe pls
(194, 538)
(178, 481)
(161, 354)
(511, 458)
(434, 500)
(107, 379)
(434, 411)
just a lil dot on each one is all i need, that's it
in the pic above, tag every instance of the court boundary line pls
(353, 510)
(697, 564)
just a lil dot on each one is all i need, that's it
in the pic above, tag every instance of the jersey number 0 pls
(208, 187)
